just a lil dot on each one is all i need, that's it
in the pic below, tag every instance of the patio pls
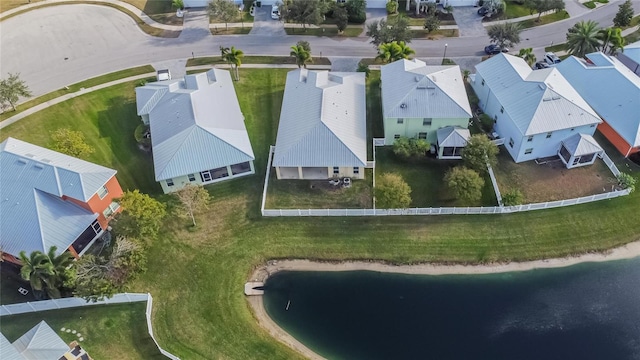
(308, 173)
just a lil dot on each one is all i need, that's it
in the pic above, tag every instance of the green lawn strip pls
(107, 118)
(6, 5)
(515, 10)
(212, 60)
(332, 31)
(76, 87)
(590, 4)
(109, 331)
(160, 11)
(196, 277)
(230, 31)
(555, 48)
(633, 37)
(434, 35)
(544, 19)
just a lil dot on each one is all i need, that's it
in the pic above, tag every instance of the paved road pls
(56, 46)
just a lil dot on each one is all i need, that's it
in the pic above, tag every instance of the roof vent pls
(403, 106)
(417, 78)
(38, 166)
(46, 161)
(29, 155)
(433, 77)
(541, 86)
(22, 161)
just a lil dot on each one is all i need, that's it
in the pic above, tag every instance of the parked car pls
(494, 49)
(275, 12)
(541, 65)
(551, 59)
(164, 74)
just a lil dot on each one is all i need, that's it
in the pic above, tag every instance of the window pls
(502, 109)
(422, 135)
(549, 135)
(192, 177)
(400, 121)
(113, 207)
(96, 227)
(426, 122)
(511, 142)
(530, 139)
(356, 170)
(169, 182)
(103, 192)
(396, 136)
(336, 170)
(205, 176)
(528, 151)
(482, 82)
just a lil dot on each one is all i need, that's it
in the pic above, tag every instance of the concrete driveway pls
(264, 25)
(469, 22)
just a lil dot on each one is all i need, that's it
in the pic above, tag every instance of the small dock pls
(254, 288)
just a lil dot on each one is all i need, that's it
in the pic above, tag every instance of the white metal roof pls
(610, 88)
(33, 215)
(451, 136)
(323, 120)
(537, 101)
(632, 51)
(411, 89)
(8, 351)
(581, 144)
(40, 343)
(196, 124)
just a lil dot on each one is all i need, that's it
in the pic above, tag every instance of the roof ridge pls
(223, 140)
(343, 143)
(189, 130)
(37, 200)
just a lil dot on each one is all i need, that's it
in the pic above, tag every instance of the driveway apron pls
(263, 24)
(195, 26)
(469, 22)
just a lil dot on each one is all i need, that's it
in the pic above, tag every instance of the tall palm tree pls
(39, 271)
(395, 50)
(582, 38)
(234, 57)
(302, 56)
(528, 56)
(611, 40)
(60, 264)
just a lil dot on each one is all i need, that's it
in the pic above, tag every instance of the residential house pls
(613, 91)
(418, 99)
(630, 57)
(534, 111)
(52, 199)
(40, 343)
(322, 132)
(198, 135)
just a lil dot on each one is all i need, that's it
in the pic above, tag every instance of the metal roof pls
(411, 89)
(537, 101)
(323, 120)
(40, 343)
(451, 136)
(196, 124)
(610, 88)
(8, 351)
(632, 51)
(33, 215)
(581, 144)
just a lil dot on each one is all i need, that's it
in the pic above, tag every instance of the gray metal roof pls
(33, 215)
(41, 343)
(451, 136)
(411, 89)
(632, 51)
(537, 101)
(323, 120)
(581, 144)
(8, 351)
(196, 124)
(610, 88)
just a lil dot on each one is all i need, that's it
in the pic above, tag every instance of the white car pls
(164, 74)
(551, 59)
(275, 12)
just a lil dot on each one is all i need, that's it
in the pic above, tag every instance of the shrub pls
(627, 181)
(512, 198)
(486, 122)
(406, 148)
(431, 23)
(465, 183)
(392, 192)
(392, 7)
(478, 152)
(357, 11)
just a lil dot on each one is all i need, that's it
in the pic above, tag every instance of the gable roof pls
(323, 120)
(41, 342)
(8, 351)
(196, 124)
(632, 51)
(33, 180)
(581, 144)
(411, 89)
(451, 136)
(537, 101)
(610, 88)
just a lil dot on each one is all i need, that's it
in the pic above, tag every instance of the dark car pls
(541, 65)
(494, 49)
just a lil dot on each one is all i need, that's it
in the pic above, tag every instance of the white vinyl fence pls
(65, 303)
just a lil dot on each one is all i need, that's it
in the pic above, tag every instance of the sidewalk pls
(139, 13)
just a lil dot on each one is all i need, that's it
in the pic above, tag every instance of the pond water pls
(587, 311)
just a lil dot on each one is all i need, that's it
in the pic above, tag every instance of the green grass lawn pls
(545, 19)
(434, 35)
(159, 10)
(230, 31)
(351, 31)
(109, 331)
(212, 60)
(11, 4)
(196, 277)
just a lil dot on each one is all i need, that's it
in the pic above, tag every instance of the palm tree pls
(582, 38)
(395, 50)
(303, 57)
(178, 4)
(234, 57)
(528, 56)
(611, 39)
(38, 269)
(465, 74)
(60, 264)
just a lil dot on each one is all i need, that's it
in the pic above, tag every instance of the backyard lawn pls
(196, 275)
(109, 331)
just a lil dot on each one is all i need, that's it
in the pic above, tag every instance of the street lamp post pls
(445, 53)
